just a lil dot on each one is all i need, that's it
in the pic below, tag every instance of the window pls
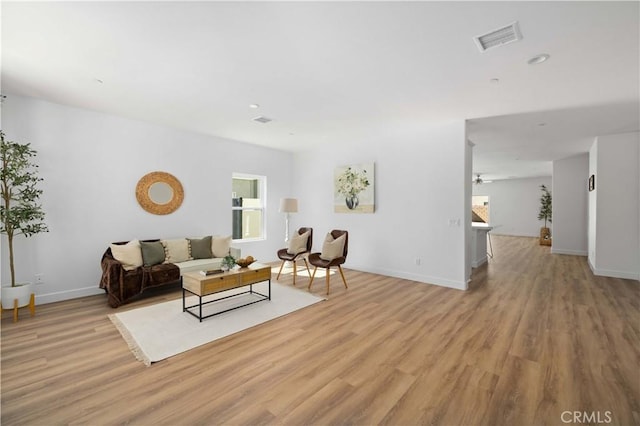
(480, 208)
(248, 201)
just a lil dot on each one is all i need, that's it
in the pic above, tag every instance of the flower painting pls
(354, 188)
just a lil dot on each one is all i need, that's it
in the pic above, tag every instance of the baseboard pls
(614, 274)
(498, 233)
(555, 250)
(59, 296)
(442, 282)
(476, 263)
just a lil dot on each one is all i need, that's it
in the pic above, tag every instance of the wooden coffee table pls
(201, 285)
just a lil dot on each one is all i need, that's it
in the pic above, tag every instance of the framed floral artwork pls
(354, 188)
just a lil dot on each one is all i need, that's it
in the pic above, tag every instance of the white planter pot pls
(22, 292)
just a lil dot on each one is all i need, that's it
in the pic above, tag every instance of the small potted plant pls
(20, 210)
(228, 262)
(545, 214)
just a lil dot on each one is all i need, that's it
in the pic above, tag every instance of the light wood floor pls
(535, 336)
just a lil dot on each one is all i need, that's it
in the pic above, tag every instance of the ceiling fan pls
(478, 180)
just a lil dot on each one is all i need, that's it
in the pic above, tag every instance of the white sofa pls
(205, 264)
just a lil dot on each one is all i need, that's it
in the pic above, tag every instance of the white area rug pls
(160, 331)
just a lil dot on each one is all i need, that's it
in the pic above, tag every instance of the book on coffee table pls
(211, 272)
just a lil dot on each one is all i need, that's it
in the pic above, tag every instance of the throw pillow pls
(152, 253)
(298, 243)
(332, 248)
(201, 248)
(220, 246)
(176, 251)
(128, 254)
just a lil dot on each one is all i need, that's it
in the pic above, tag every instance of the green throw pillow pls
(152, 253)
(201, 248)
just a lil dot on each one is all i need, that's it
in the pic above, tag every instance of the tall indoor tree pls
(20, 212)
(545, 213)
(545, 205)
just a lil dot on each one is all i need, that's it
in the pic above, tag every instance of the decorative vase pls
(22, 292)
(352, 202)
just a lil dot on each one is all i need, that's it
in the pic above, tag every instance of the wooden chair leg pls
(307, 265)
(342, 273)
(327, 272)
(281, 265)
(312, 277)
(15, 310)
(295, 271)
(32, 304)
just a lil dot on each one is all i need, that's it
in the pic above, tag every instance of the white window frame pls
(262, 192)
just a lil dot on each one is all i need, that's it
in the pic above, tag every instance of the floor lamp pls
(287, 206)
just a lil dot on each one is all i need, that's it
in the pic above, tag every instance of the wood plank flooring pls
(535, 336)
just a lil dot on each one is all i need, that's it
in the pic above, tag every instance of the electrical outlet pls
(418, 261)
(39, 278)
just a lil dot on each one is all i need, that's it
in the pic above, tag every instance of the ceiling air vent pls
(498, 37)
(262, 119)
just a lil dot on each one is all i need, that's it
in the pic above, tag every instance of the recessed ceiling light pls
(538, 59)
(254, 106)
(542, 124)
(494, 81)
(99, 81)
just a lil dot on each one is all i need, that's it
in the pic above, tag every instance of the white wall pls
(514, 205)
(91, 163)
(570, 205)
(614, 206)
(420, 187)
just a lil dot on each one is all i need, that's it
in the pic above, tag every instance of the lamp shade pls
(288, 205)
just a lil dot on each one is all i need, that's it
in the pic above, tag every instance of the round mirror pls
(159, 193)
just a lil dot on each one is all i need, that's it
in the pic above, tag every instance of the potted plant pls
(545, 214)
(20, 210)
(228, 262)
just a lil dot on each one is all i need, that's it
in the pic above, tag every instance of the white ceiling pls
(332, 72)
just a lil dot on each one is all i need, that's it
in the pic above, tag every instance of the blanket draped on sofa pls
(122, 285)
